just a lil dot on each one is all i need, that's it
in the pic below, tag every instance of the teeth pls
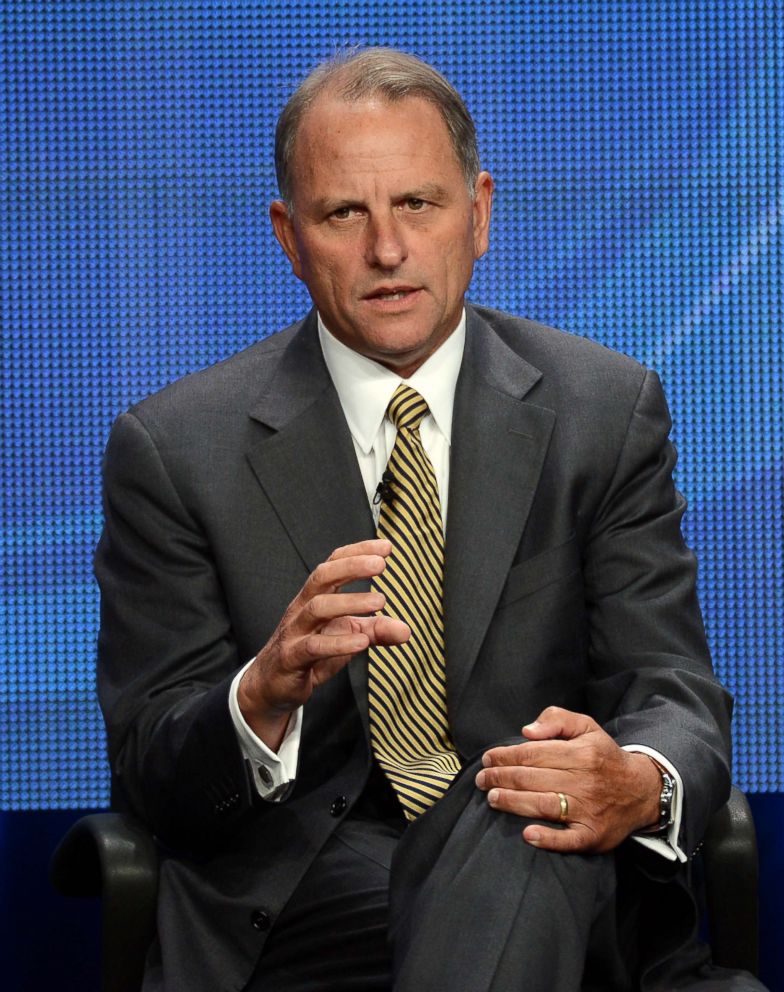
(393, 296)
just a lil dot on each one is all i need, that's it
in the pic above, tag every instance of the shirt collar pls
(365, 388)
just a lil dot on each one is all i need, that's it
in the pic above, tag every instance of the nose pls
(386, 246)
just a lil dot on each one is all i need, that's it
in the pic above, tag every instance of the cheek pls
(322, 275)
(336, 270)
(458, 263)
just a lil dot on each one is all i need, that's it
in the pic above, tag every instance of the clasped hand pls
(320, 632)
(609, 793)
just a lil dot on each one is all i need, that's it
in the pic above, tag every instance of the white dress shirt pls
(365, 388)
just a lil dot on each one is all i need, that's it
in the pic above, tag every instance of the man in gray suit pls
(243, 609)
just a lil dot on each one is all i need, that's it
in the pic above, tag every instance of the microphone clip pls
(384, 492)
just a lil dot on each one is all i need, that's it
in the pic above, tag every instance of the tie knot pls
(406, 408)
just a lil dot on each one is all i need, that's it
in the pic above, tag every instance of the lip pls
(388, 288)
(382, 297)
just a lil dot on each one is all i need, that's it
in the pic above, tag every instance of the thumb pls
(556, 722)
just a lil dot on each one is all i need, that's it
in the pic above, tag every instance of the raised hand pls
(320, 632)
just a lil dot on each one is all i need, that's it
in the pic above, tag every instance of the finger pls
(357, 635)
(346, 636)
(323, 670)
(335, 647)
(535, 754)
(326, 607)
(375, 546)
(554, 721)
(318, 647)
(534, 805)
(574, 837)
(525, 779)
(331, 575)
(384, 630)
(580, 756)
(509, 754)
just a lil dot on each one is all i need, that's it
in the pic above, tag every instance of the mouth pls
(392, 294)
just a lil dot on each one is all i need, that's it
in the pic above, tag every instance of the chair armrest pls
(113, 856)
(103, 851)
(732, 885)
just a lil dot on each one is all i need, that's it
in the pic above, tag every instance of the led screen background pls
(637, 150)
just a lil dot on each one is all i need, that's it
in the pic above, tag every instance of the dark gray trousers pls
(458, 902)
(473, 907)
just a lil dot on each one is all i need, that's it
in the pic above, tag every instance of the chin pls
(401, 348)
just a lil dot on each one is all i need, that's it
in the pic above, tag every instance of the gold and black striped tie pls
(406, 682)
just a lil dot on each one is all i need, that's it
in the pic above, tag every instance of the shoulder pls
(571, 369)
(198, 428)
(216, 400)
(551, 349)
(229, 384)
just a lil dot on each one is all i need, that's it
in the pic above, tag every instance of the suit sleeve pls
(166, 655)
(647, 643)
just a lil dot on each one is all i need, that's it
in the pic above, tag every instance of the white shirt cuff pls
(666, 845)
(273, 774)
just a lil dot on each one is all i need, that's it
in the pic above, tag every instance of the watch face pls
(665, 800)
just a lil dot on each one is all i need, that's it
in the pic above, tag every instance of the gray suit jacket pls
(567, 582)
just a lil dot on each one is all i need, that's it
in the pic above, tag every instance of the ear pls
(283, 226)
(482, 207)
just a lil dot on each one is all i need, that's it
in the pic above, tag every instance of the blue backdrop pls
(637, 150)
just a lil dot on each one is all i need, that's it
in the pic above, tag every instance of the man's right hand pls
(321, 631)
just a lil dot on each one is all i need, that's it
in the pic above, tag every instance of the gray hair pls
(354, 74)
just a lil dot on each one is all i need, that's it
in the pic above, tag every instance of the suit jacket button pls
(260, 919)
(338, 806)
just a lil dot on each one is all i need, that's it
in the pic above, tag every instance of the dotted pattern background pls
(637, 148)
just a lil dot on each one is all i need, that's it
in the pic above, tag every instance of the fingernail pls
(534, 837)
(486, 760)
(480, 780)
(531, 726)
(492, 796)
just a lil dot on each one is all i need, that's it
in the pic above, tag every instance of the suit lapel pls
(307, 465)
(498, 448)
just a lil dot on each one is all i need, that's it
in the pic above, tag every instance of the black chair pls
(112, 856)
(731, 874)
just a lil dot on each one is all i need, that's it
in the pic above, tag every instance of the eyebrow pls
(427, 191)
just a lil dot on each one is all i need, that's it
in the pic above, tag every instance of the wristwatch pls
(665, 803)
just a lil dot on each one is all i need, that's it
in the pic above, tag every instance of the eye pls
(342, 213)
(415, 204)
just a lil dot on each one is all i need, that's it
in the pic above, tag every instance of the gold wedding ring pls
(564, 806)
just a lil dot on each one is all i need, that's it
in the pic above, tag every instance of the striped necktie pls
(409, 731)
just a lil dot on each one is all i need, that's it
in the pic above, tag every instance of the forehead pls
(340, 141)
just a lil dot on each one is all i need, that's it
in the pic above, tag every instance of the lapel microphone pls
(384, 492)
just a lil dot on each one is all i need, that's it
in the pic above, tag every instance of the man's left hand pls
(571, 772)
